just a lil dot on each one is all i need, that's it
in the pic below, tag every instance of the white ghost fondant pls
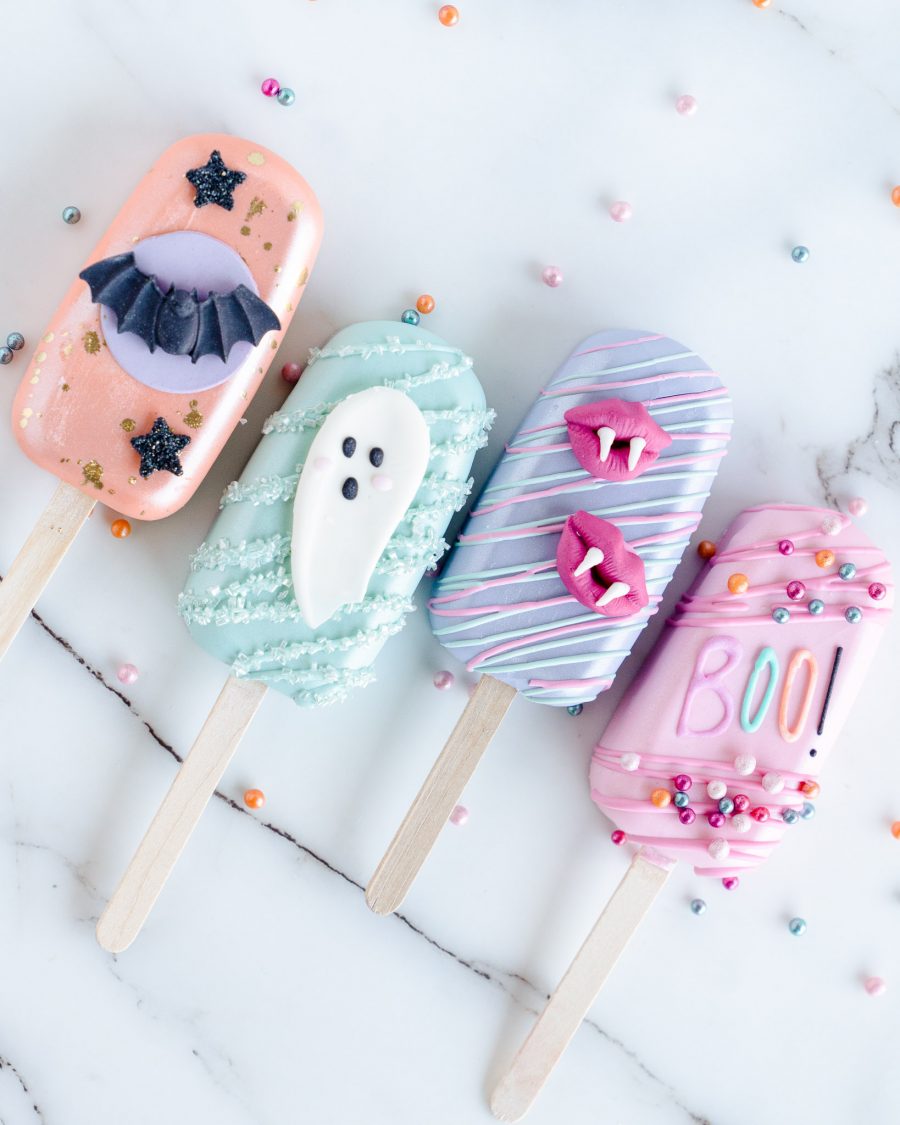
(361, 473)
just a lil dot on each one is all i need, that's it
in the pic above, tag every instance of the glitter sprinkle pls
(214, 182)
(159, 449)
(127, 425)
(256, 158)
(267, 246)
(93, 473)
(194, 418)
(257, 206)
(245, 231)
(91, 342)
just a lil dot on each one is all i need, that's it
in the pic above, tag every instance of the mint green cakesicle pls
(266, 589)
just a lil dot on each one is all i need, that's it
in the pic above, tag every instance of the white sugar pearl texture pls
(744, 764)
(772, 782)
(630, 761)
(719, 848)
(741, 823)
(717, 789)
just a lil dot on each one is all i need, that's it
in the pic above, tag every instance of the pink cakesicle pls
(160, 343)
(714, 750)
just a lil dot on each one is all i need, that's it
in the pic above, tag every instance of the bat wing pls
(226, 319)
(134, 297)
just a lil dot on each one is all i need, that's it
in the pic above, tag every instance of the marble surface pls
(458, 162)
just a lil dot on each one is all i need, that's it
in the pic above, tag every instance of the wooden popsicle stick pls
(43, 551)
(182, 807)
(439, 794)
(516, 1091)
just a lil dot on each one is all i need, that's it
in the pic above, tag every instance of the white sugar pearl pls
(717, 789)
(718, 848)
(772, 782)
(744, 764)
(741, 823)
(630, 761)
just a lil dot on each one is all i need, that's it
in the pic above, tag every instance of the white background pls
(458, 162)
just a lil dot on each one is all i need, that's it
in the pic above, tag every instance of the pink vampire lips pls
(599, 568)
(615, 440)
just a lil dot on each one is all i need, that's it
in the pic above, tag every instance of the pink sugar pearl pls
(858, 506)
(875, 986)
(459, 816)
(620, 211)
(443, 680)
(552, 276)
(730, 882)
(271, 87)
(618, 837)
(291, 372)
(127, 673)
(686, 105)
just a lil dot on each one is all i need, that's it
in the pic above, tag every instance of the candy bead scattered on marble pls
(738, 584)
(459, 816)
(410, 316)
(621, 211)
(686, 105)
(425, 304)
(706, 548)
(808, 811)
(800, 254)
(254, 798)
(448, 14)
(271, 87)
(552, 276)
(731, 882)
(286, 96)
(291, 373)
(858, 506)
(698, 906)
(895, 829)
(618, 837)
(895, 196)
(443, 680)
(127, 674)
(575, 709)
(6, 355)
(120, 528)
(790, 816)
(875, 986)
(15, 341)
(71, 215)
(797, 926)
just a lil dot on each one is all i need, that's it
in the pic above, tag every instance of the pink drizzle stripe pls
(621, 344)
(576, 389)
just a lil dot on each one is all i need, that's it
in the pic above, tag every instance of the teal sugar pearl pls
(410, 316)
(853, 614)
(790, 816)
(698, 906)
(808, 811)
(286, 96)
(575, 709)
(781, 615)
(816, 606)
(726, 806)
(6, 355)
(800, 254)
(71, 215)
(847, 571)
(797, 926)
(682, 800)
(16, 341)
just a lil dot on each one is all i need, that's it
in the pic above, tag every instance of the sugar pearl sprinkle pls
(847, 571)
(682, 800)
(780, 615)
(744, 764)
(552, 276)
(786, 546)
(726, 806)
(719, 848)
(797, 926)
(772, 782)
(717, 789)
(575, 709)
(661, 798)
(795, 590)
(682, 782)
(6, 355)
(686, 105)
(731, 882)
(15, 341)
(853, 614)
(254, 798)
(698, 906)
(741, 822)
(618, 837)
(127, 674)
(877, 591)
(620, 211)
(687, 816)
(741, 802)
(459, 816)
(715, 819)
(831, 525)
(448, 15)
(630, 761)
(443, 680)
(706, 548)
(858, 507)
(808, 811)
(71, 215)
(895, 829)
(291, 373)
(816, 606)
(875, 986)
(790, 816)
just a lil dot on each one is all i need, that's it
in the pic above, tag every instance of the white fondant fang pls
(344, 515)
(593, 557)
(616, 590)
(607, 436)
(635, 449)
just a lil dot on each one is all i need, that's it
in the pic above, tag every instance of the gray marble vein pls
(6, 1067)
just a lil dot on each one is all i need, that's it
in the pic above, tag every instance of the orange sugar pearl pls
(738, 584)
(895, 196)
(810, 788)
(120, 528)
(825, 558)
(448, 15)
(895, 829)
(762, 3)
(425, 304)
(254, 798)
(706, 548)
(661, 798)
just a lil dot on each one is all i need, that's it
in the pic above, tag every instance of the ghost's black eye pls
(376, 456)
(350, 488)
(349, 446)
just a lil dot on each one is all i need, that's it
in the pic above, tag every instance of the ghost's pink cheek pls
(381, 482)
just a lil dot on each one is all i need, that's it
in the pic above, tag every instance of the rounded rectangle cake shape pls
(202, 270)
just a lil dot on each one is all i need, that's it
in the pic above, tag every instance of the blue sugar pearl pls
(682, 800)
(5, 355)
(853, 614)
(781, 615)
(698, 906)
(800, 254)
(71, 215)
(575, 709)
(16, 341)
(726, 806)
(808, 811)
(410, 316)
(846, 570)
(816, 607)
(797, 926)
(286, 96)
(790, 816)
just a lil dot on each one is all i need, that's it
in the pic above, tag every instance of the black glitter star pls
(214, 183)
(160, 448)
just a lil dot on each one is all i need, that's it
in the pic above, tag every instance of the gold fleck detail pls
(91, 342)
(66, 350)
(245, 230)
(256, 158)
(278, 269)
(27, 412)
(41, 357)
(135, 238)
(48, 338)
(304, 277)
(65, 387)
(194, 419)
(257, 206)
(267, 246)
(296, 208)
(93, 473)
(111, 491)
(35, 378)
(132, 480)
(127, 425)
(274, 345)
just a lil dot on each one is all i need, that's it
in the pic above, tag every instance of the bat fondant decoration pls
(177, 321)
(359, 478)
